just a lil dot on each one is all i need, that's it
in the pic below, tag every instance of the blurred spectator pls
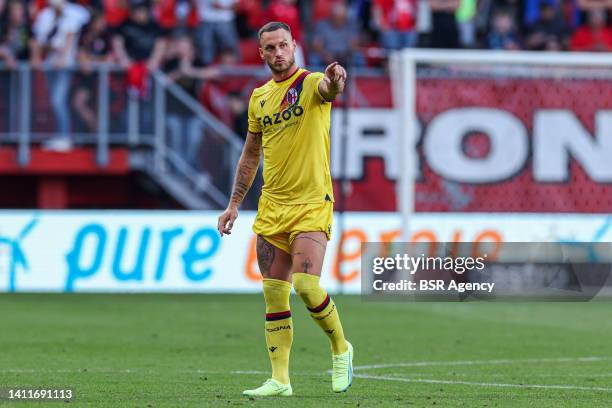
(95, 45)
(466, 15)
(216, 30)
(320, 10)
(550, 32)
(239, 110)
(180, 16)
(423, 23)
(37, 6)
(56, 33)
(15, 33)
(396, 22)
(336, 39)
(445, 32)
(594, 35)
(586, 5)
(94, 48)
(361, 11)
(249, 17)
(288, 12)
(533, 9)
(228, 57)
(139, 45)
(503, 35)
(186, 69)
(116, 12)
(139, 39)
(56, 36)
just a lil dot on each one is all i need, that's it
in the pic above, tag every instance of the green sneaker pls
(342, 370)
(270, 388)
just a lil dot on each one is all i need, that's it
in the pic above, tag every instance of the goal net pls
(504, 134)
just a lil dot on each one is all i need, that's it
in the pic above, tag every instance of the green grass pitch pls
(203, 350)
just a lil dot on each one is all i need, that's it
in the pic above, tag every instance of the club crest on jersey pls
(292, 96)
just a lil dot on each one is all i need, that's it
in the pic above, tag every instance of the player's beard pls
(289, 65)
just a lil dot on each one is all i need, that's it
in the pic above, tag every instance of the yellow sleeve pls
(316, 78)
(254, 125)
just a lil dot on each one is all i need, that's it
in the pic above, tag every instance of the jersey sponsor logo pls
(292, 96)
(280, 117)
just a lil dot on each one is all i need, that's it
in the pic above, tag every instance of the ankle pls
(281, 379)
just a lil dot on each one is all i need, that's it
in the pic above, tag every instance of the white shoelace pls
(340, 365)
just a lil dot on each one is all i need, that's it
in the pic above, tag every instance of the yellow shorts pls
(279, 224)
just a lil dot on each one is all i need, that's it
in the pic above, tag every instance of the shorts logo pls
(292, 96)
(262, 102)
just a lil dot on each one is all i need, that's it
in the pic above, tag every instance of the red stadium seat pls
(321, 9)
(249, 52)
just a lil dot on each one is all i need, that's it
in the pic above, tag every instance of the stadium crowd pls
(190, 39)
(128, 31)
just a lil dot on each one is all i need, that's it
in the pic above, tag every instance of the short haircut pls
(273, 26)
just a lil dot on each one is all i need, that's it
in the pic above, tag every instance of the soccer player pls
(289, 120)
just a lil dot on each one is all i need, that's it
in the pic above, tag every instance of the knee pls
(306, 286)
(298, 287)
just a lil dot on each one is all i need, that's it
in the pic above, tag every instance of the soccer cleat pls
(270, 388)
(342, 370)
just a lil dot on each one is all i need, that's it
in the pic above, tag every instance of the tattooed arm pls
(245, 174)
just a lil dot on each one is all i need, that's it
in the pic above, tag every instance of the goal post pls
(521, 92)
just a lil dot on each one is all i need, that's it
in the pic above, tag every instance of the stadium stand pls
(110, 127)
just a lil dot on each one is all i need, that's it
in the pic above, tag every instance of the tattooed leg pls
(308, 252)
(274, 263)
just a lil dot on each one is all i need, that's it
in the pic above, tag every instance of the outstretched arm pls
(245, 174)
(333, 82)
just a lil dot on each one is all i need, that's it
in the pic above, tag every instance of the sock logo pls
(327, 315)
(277, 328)
(272, 349)
(329, 331)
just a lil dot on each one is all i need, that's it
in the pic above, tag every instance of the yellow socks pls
(322, 309)
(279, 327)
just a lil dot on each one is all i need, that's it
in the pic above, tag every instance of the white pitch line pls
(70, 371)
(254, 372)
(99, 371)
(482, 384)
(484, 362)
(135, 371)
(505, 375)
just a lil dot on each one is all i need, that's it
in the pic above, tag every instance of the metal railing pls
(121, 118)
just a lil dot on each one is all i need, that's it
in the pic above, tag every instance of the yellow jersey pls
(294, 121)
